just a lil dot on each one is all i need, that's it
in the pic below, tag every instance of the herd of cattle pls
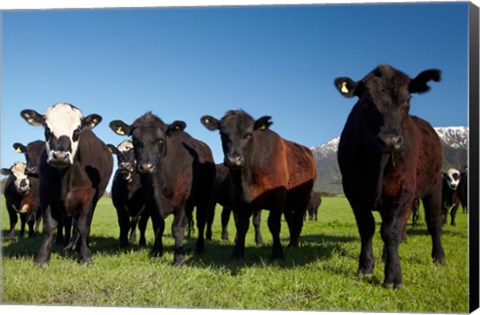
(389, 161)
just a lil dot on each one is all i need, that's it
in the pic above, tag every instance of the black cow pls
(267, 172)
(450, 201)
(30, 203)
(223, 195)
(16, 188)
(177, 173)
(128, 196)
(313, 204)
(74, 171)
(388, 158)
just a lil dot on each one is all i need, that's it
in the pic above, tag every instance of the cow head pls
(63, 125)
(236, 131)
(32, 152)
(384, 100)
(149, 137)
(452, 177)
(20, 179)
(125, 158)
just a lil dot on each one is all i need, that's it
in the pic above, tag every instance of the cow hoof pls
(364, 275)
(178, 260)
(42, 263)
(392, 285)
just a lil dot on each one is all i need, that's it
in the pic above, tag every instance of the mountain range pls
(455, 140)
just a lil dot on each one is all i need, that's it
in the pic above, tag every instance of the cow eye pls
(48, 133)
(247, 136)
(76, 135)
(161, 140)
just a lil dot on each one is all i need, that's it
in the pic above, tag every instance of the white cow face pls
(21, 181)
(63, 125)
(453, 178)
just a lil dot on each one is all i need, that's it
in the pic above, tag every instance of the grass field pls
(319, 275)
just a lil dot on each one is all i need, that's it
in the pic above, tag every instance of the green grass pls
(319, 275)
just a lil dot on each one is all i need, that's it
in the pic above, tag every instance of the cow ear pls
(91, 121)
(32, 117)
(346, 86)
(176, 126)
(120, 128)
(262, 123)
(210, 122)
(19, 148)
(6, 172)
(113, 149)
(419, 83)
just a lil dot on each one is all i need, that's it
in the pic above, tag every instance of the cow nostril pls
(146, 168)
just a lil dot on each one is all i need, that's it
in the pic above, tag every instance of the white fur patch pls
(62, 120)
(18, 170)
(125, 146)
(453, 178)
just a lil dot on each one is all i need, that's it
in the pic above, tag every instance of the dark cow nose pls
(146, 168)
(392, 143)
(60, 156)
(23, 184)
(234, 160)
(125, 165)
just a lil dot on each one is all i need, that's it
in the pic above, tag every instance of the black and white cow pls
(128, 196)
(74, 171)
(16, 187)
(450, 201)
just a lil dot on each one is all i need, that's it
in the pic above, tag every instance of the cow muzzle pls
(60, 159)
(391, 143)
(24, 187)
(31, 170)
(234, 161)
(146, 168)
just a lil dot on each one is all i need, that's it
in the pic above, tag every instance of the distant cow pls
(387, 159)
(223, 195)
(128, 196)
(74, 171)
(450, 201)
(268, 172)
(313, 204)
(16, 187)
(177, 174)
(30, 203)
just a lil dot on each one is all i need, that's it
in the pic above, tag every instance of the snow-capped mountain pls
(455, 137)
(328, 174)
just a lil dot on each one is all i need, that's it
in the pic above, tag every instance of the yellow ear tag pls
(120, 131)
(18, 150)
(344, 88)
(207, 121)
(95, 120)
(262, 127)
(177, 127)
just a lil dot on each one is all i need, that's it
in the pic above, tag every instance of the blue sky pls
(182, 63)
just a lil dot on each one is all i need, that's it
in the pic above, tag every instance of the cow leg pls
(49, 226)
(210, 218)
(391, 231)
(158, 229)
(202, 211)
(124, 225)
(23, 221)
(37, 222)
(67, 224)
(225, 218)
(432, 206)
(274, 224)
(178, 232)
(83, 228)
(133, 231)
(142, 226)
(12, 214)
(31, 223)
(453, 213)
(242, 221)
(366, 229)
(256, 219)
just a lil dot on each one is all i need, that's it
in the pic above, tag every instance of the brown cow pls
(267, 172)
(387, 159)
